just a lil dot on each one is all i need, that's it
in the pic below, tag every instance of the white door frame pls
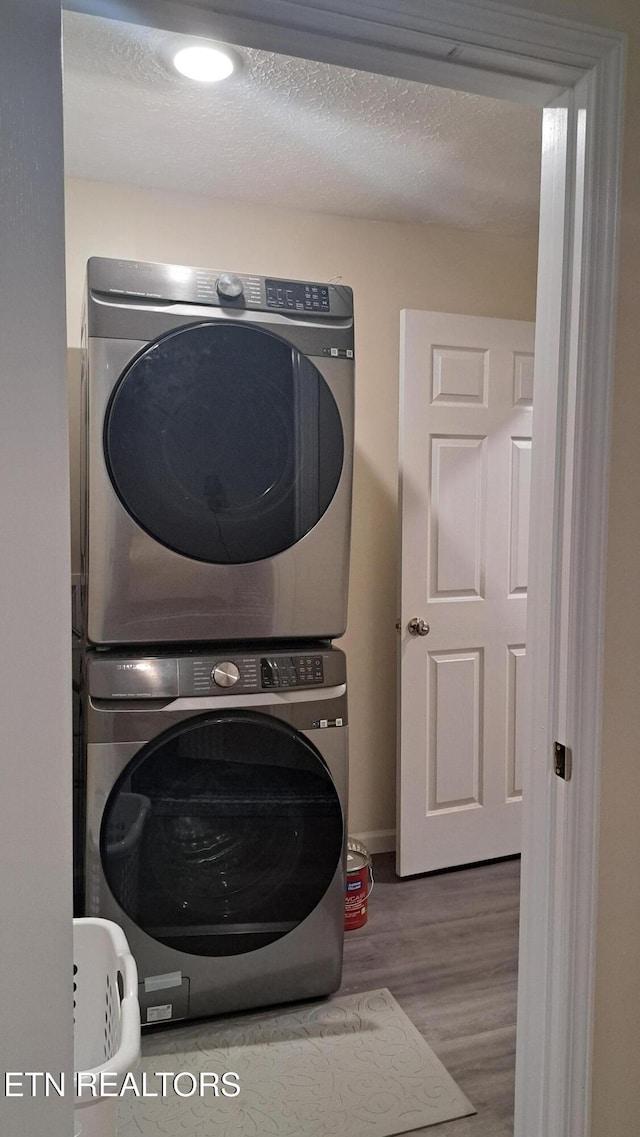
(484, 47)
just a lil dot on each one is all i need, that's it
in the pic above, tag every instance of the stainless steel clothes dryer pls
(216, 804)
(218, 447)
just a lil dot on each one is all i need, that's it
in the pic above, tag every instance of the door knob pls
(417, 627)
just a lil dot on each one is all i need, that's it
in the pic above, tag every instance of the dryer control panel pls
(207, 674)
(140, 281)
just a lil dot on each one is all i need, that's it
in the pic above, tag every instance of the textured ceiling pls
(294, 133)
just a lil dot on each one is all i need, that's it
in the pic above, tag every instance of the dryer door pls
(223, 442)
(223, 834)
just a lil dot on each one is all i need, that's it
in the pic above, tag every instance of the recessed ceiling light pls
(204, 64)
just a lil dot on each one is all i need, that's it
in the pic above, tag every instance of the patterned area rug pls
(352, 1066)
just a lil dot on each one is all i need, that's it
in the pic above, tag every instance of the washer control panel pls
(187, 676)
(250, 673)
(291, 670)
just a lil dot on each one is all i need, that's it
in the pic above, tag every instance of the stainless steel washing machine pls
(218, 449)
(215, 822)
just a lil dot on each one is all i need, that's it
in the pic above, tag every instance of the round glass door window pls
(223, 834)
(223, 442)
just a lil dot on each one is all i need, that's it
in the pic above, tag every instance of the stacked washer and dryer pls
(217, 459)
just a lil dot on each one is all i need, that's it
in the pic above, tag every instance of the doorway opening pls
(311, 171)
(315, 172)
(551, 550)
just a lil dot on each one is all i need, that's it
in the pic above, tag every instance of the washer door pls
(223, 834)
(223, 442)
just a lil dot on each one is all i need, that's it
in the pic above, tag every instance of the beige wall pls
(390, 266)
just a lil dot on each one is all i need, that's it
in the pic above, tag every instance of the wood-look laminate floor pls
(446, 946)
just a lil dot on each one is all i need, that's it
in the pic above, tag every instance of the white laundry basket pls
(106, 1016)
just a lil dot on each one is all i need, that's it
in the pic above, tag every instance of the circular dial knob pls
(225, 674)
(229, 285)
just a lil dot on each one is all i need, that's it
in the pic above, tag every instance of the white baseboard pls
(377, 840)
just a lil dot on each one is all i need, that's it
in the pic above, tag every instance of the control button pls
(269, 673)
(229, 285)
(225, 674)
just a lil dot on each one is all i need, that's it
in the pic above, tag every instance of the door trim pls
(480, 46)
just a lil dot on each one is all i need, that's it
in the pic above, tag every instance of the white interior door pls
(465, 461)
